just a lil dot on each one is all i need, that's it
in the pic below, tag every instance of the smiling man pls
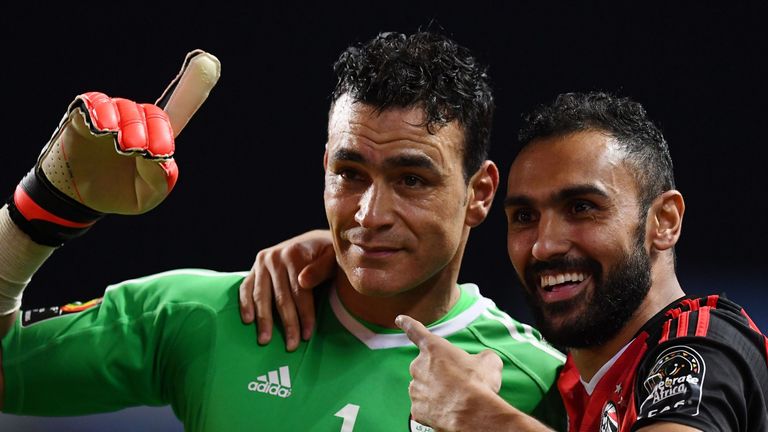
(585, 296)
(593, 218)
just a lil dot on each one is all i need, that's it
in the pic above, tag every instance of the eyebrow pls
(347, 155)
(410, 161)
(560, 196)
(400, 161)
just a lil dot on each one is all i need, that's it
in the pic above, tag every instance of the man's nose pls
(552, 238)
(375, 208)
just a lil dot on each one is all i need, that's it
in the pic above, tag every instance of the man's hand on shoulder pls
(287, 272)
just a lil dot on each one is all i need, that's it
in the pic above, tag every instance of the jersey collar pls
(446, 328)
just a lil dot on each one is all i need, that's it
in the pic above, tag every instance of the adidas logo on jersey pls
(275, 383)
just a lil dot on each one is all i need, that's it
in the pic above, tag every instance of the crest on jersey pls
(609, 419)
(674, 383)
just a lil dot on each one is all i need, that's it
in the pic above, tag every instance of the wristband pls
(17, 263)
(45, 214)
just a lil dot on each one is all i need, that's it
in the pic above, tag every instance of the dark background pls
(250, 161)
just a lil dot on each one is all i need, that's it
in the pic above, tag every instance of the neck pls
(665, 289)
(426, 303)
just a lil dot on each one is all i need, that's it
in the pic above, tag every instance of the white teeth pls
(550, 280)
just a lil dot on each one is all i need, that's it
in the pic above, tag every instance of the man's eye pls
(522, 216)
(412, 181)
(348, 174)
(582, 206)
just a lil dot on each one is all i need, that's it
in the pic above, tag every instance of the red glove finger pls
(140, 128)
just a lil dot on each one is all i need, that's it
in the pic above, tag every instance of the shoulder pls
(710, 320)
(710, 337)
(188, 286)
(705, 365)
(500, 331)
(519, 345)
(531, 365)
(709, 332)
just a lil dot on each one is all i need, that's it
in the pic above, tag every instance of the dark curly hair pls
(625, 120)
(423, 69)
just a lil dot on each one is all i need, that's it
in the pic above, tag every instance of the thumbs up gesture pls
(110, 156)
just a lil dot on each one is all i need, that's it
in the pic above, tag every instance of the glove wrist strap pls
(46, 215)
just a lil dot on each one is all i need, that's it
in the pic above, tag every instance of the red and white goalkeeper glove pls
(109, 155)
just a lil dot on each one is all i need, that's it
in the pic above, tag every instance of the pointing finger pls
(416, 332)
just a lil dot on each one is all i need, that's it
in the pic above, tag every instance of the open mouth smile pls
(563, 285)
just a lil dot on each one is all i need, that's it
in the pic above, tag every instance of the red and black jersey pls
(699, 362)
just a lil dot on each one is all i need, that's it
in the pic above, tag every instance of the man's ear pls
(666, 220)
(481, 190)
(325, 158)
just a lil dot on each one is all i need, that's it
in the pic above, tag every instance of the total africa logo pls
(275, 383)
(674, 383)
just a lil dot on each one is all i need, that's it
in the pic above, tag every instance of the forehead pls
(549, 165)
(359, 126)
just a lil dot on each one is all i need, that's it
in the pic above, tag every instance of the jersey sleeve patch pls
(674, 383)
(33, 316)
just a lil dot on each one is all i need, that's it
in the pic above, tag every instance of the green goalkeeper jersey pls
(176, 338)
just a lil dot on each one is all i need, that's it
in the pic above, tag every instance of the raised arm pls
(19, 263)
(107, 156)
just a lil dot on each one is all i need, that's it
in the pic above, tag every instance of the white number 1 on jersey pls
(349, 414)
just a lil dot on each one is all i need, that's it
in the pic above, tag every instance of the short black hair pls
(625, 120)
(425, 69)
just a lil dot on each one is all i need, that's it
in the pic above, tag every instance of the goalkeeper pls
(406, 180)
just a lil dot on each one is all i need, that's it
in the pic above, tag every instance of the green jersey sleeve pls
(141, 345)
